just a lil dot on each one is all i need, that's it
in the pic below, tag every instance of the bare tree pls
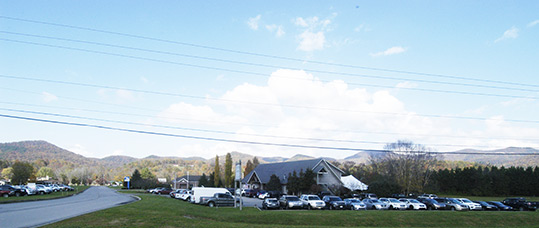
(410, 165)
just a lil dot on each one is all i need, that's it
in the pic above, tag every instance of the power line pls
(250, 102)
(258, 74)
(263, 125)
(266, 55)
(267, 65)
(248, 142)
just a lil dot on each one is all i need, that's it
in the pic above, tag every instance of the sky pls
(279, 78)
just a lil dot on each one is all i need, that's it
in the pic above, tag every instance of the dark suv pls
(520, 204)
(13, 191)
(334, 202)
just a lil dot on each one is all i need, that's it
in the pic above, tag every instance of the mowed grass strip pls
(53, 195)
(159, 211)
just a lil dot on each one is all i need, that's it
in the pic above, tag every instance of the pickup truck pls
(520, 204)
(218, 199)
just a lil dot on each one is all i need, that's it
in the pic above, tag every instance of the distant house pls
(326, 173)
(185, 182)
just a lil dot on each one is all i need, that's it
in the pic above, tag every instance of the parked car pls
(334, 203)
(263, 195)
(68, 188)
(290, 201)
(14, 191)
(354, 204)
(394, 204)
(248, 192)
(173, 193)
(432, 204)
(375, 204)
(368, 196)
(428, 196)
(274, 194)
(270, 203)
(163, 191)
(312, 202)
(41, 190)
(218, 199)
(4, 192)
(519, 203)
(501, 206)
(29, 190)
(323, 193)
(413, 204)
(471, 205)
(453, 204)
(487, 206)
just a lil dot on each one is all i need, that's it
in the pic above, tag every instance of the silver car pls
(375, 204)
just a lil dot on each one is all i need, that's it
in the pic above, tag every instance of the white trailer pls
(208, 192)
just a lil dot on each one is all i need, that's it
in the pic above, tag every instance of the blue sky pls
(471, 59)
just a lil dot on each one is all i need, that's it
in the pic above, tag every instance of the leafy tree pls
(7, 173)
(248, 168)
(22, 171)
(217, 173)
(228, 170)
(145, 173)
(45, 172)
(274, 184)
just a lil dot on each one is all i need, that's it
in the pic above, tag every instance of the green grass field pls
(158, 211)
(53, 195)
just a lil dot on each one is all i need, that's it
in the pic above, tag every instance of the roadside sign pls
(126, 179)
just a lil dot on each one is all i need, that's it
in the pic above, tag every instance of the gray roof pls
(282, 169)
(191, 178)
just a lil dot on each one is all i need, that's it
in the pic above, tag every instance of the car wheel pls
(429, 208)
(41, 193)
(287, 207)
(5, 195)
(211, 204)
(452, 208)
(264, 207)
(411, 207)
(309, 207)
(17, 194)
(391, 207)
(521, 209)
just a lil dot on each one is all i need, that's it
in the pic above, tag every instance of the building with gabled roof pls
(326, 173)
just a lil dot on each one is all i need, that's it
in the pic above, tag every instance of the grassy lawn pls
(158, 211)
(53, 195)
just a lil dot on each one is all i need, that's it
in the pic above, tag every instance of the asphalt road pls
(38, 213)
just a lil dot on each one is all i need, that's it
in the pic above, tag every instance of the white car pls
(394, 204)
(312, 201)
(413, 204)
(471, 205)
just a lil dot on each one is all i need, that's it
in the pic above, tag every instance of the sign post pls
(238, 179)
(126, 179)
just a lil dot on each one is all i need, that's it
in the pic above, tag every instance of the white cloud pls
(390, 51)
(253, 22)
(312, 36)
(310, 41)
(279, 31)
(406, 85)
(118, 95)
(79, 149)
(48, 97)
(533, 23)
(511, 33)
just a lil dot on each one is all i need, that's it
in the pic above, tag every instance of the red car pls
(163, 191)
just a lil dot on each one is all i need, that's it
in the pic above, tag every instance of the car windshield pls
(354, 200)
(313, 198)
(414, 201)
(375, 201)
(466, 201)
(292, 198)
(453, 201)
(272, 201)
(394, 201)
(334, 198)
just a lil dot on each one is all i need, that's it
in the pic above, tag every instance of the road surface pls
(38, 213)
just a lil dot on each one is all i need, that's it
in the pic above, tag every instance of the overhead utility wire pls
(243, 141)
(265, 125)
(246, 102)
(213, 131)
(267, 65)
(254, 73)
(265, 55)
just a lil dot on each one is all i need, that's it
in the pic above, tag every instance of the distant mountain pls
(31, 151)
(498, 160)
(118, 160)
(299, 157)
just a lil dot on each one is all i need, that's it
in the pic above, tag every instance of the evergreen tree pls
(307, 180)
(255, 162)
(228, 170)
(211, 180)
(217, 173)
(293, 183)
(203, 181)
(274, 184)
(248, 168)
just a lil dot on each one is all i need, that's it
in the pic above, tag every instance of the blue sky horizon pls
(347, 74)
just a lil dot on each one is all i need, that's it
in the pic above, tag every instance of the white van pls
(208, 192)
